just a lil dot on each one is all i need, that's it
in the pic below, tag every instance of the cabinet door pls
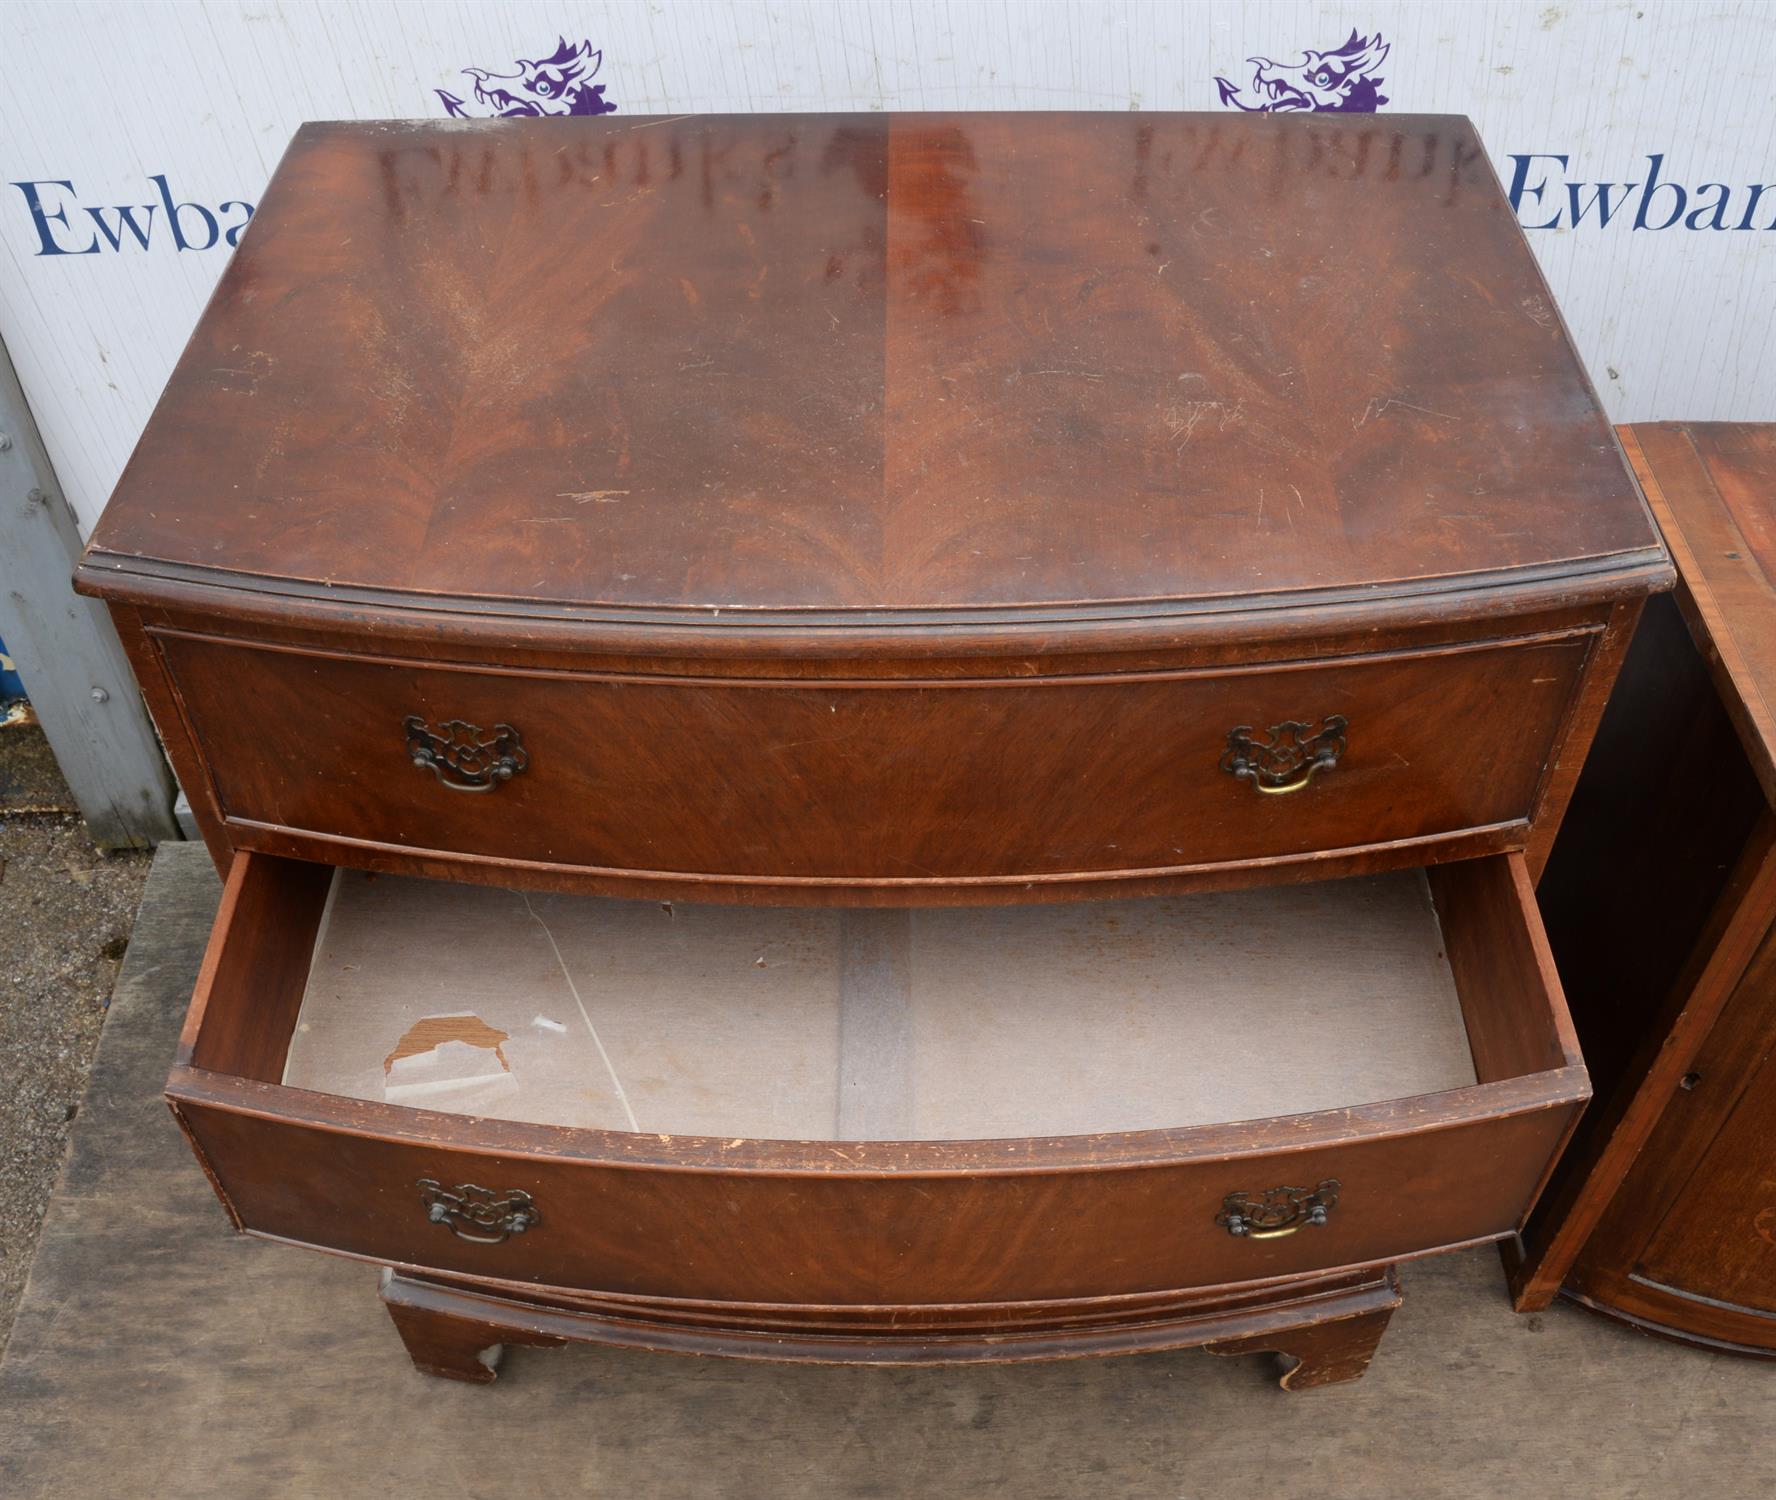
(1718, 1238)
(1688, 1246)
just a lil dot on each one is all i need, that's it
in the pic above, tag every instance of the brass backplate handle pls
(478, 1214)
(462, 758)
(1287, 758)
(1277, 1211)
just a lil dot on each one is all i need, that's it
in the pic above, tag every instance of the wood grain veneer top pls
(907, 363)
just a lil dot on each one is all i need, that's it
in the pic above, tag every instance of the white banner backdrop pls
(1637, 138)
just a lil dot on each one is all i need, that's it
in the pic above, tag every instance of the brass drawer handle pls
(1286, 760)
(459, 757)
(477, 1213)
(1278, 1211)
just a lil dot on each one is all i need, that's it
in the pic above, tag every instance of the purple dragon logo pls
(1341, 80)
(555, 85)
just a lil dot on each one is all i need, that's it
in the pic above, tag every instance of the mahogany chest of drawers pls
(883, 738)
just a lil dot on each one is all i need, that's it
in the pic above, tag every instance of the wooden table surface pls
(881, 363)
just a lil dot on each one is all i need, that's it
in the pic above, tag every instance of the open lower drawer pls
(812, 1108)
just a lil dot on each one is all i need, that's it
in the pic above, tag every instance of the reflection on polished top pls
(879, 363)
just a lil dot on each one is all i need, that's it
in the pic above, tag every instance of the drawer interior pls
(853, 1025)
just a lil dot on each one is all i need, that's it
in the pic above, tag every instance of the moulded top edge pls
(718, 630)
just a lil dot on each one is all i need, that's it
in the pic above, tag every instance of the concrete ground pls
(158, 1354)
(65, 915)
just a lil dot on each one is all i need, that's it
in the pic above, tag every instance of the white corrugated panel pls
(103, 100)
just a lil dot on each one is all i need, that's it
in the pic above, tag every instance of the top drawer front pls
(913, 783)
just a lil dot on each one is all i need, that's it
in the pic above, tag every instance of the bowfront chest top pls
(913, 511)
(881, 370)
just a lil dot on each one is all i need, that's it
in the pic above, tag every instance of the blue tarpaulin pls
(10, 686)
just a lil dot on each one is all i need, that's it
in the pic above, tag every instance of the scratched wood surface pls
(879, 363)
(155, 1354)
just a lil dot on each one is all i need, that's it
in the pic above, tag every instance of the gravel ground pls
(29, 779)
(65, 916)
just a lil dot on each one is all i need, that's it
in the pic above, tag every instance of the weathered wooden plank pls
(66, 650)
